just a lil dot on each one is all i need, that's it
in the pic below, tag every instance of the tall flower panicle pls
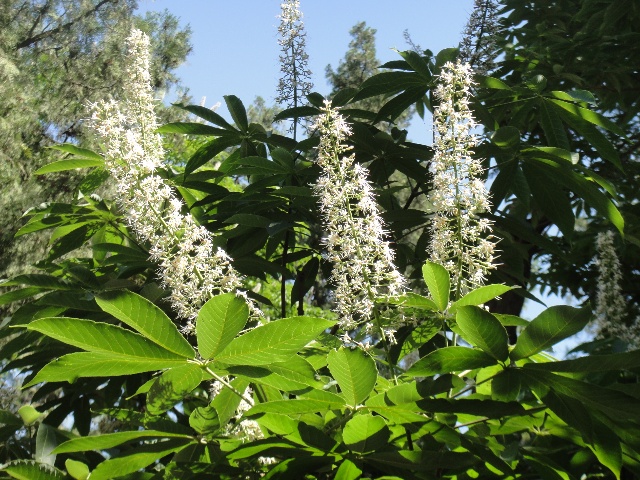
(190, 266)
(611, 307)
(477, 47)
(461, 239)
(295, 82)
(363, 268)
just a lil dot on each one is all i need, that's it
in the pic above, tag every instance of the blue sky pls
(236, 51)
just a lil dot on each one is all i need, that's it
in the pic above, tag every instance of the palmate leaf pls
(218, 323)
(146, 318)
(274, 342)
(70, 367)
(355, 373)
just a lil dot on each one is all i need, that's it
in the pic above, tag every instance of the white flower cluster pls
(363, 268)
(461, 239)
(190, 266)
(294, 61)
(611, 307)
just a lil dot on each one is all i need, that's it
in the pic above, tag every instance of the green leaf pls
(45, 444)
(506, 137)
(585, 188)
(70, 367)
(483, 330)
(606, 446)
(274, 342)
(355, 372)
(71, 164)
(237, 111)
(208, 151)
(8, 418)
(100, 337)
(414, 300)
(207, 114)
(450, 359)
(172, 386)
(550, 327)
(553, 201)
(29, 414)
(589, 116)
(146, 318)
(592, 363)
(348, 471)
(294, 407)
(480, 295)
(138, 458)
(437, 279)
(20, 294)
(227, 401)
(204, 420)
(218, 323)
(77, 470)
(78, 152)
(110, 440)
(552, 125)
(506, 385)
(29, 470)
(190, 128)
(365, 433)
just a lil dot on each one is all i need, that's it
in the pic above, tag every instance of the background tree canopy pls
(438, 382)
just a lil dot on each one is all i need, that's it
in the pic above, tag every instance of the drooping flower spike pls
(191, 268)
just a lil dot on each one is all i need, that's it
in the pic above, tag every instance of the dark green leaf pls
(188, 128)
(207, 114)
(550, 327)
(237, 111)
(450, 359)
(506, 137)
